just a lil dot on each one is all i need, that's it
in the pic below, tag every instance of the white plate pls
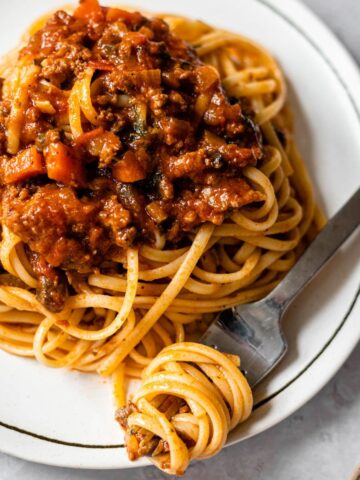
(64, 418)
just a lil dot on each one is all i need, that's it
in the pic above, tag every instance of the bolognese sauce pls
(160, 149)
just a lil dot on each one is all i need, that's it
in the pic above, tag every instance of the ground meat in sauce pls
(158, 160)
(139, 441)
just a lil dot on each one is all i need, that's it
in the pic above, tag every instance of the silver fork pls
(253, 331)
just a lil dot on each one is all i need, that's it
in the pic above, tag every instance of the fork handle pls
(330, 238)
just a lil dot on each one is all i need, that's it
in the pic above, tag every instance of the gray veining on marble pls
(319, 442)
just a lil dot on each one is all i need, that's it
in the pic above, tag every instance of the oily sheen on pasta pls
(149, 180)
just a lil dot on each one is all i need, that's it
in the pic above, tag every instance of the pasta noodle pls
(202, 391)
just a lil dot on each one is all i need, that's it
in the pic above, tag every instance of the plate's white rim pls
(330, 49)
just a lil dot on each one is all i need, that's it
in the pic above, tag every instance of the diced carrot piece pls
(26, 164)
(62, 167)
(207, 77)
(128, 169)
(98, 65)
(114, 14)
(89, 10)
(136, 38)
(87, 136)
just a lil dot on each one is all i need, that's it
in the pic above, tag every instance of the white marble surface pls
(321, 441)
